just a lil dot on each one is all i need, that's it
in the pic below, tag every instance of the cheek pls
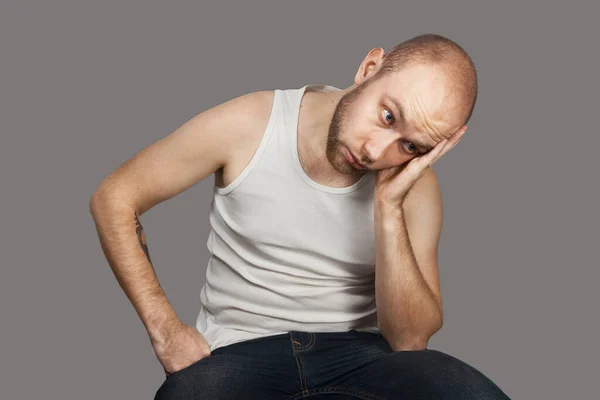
(350, 119)
(358, 124)
(397, 159)
(359, 112)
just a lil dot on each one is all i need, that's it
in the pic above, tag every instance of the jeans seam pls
(354, 392)
(303, 382)
(311, 342)
(334, 389)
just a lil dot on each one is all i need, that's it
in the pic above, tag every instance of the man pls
(323, 276)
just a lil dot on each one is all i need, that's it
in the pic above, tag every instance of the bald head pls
(452, 60)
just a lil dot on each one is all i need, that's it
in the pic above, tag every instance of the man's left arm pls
(407, 288)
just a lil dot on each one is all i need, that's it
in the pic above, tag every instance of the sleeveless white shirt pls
(288, 253)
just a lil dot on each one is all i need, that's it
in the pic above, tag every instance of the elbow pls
(105, 200)
(94, 203)
(406, 342)
(111, 193)
(99, 198)
(415, 341)
(412, 345)
(99, 201)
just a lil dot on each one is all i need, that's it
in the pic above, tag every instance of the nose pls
(376, 146)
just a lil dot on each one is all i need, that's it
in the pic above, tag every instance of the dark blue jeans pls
(327, 366)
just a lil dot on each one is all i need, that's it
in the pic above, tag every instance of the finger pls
(436, 152)
(417, 166)
(446, 149)
(458, 135)
(453, 141)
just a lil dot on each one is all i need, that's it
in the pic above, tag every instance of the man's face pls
(368, 123)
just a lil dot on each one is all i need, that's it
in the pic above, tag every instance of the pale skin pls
(204, 145)
(408, 202)
(407, 276)
(408, 206)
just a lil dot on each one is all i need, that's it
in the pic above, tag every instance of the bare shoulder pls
(255, 109)
(245, 111)
(214, 139)
(255, 104)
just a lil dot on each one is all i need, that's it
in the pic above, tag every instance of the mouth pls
(354, 161)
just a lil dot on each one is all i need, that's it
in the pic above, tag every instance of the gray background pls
(86, 85)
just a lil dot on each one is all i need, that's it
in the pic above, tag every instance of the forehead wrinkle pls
(429, 130)
(424, 147)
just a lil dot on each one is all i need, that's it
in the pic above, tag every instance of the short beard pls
(337, 124)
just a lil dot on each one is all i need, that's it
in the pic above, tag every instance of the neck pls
(316, 111)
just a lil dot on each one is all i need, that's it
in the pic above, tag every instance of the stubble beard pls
(333, 149)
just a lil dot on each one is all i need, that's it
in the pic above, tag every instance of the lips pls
(357, 162)
(353, 160)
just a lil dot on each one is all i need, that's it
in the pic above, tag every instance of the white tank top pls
(288, 253)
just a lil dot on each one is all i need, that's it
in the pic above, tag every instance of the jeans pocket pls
(186, 368)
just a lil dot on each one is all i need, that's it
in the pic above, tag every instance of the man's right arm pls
(167, 167)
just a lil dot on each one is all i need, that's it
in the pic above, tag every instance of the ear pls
(370, 65)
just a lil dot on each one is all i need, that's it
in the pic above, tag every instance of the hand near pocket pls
(181, 347)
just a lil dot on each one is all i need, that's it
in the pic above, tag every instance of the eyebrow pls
(401, 116)
(425, 148)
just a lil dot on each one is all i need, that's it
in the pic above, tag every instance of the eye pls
(389, 117)
(414, 147)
